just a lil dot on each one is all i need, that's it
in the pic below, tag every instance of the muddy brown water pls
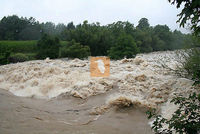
(67, 115)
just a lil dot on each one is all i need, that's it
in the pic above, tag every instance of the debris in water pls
(140, 81)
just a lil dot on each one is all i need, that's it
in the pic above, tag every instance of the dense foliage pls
(101, 40)
(125, 47)
(186, 119)
(18, 57)
(190, 12)
(48, 47)
(192, 65)
(74, 50)
(189, 66)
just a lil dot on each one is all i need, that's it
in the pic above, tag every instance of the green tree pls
(97, 37)
(15, 28)
(11, 26)
(144, 40)
(30, 33)
(143, 24)
(157, 44)
(190, 12)
(70, 26)
(164, 34)
(125, 47)
(49, 28)
(48, 46)
(75, 50)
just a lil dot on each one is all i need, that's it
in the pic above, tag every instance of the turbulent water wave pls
(141, 81)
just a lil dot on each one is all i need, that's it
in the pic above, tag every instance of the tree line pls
(117, 40)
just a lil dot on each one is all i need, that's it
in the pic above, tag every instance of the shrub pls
(75, 50)
(192, 65)
(18, 57)
(4, 57)
(189, 64)
(186, 119)
(48, 47)
(31, 56)
(4, 54)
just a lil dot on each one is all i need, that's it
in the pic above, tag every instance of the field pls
(26, 48)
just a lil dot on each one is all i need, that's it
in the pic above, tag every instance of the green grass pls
(21, 46)
(18, 46)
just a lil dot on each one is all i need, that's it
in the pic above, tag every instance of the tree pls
(164, 34)
(48, 46)
(144, 40)
(30, 33)
(70, 26)
(15, 28)
(97, 37)
(191, 11)
(75, 50)
(143, 24)
(11, 26)
(157, 44)
(118, 28)
(125, 47)
(48, 28)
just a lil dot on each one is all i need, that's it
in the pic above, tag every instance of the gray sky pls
(103, 11)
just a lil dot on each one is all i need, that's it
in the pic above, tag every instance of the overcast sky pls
(103, 11)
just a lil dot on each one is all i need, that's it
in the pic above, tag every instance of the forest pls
(116, 40)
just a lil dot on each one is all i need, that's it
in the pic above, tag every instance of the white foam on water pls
(142, 80)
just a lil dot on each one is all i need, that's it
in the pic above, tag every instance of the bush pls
(186, 119)
(125, 47)
(48, 47)
(4, 57)
(18, 57)
(189, 64)
(75, 50)
(192, 65)
(31, 56)
(4, 54)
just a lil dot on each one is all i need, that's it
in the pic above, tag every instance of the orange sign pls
(99, 66)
